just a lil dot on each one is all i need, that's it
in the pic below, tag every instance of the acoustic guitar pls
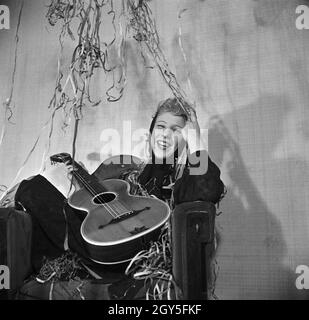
(117, 225)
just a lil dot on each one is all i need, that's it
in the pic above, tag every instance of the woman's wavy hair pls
(174, 106)
(171, 105)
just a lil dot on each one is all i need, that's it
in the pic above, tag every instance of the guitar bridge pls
(126, 216)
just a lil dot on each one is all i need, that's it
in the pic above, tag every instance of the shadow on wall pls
(251, 247)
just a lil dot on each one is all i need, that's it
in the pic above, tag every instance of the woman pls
(179, 170)
(179, 158)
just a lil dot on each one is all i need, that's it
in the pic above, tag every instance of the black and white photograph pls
(154, 150)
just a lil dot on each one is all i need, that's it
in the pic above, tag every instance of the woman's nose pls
(167, 132)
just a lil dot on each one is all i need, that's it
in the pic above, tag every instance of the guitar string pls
(94, 193)
(110, 209)
(112, 212)
(105, 204)
(118, 205)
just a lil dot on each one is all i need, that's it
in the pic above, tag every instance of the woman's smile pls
(166, 135)
(163, 144)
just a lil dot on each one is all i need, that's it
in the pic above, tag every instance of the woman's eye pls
(160, 126)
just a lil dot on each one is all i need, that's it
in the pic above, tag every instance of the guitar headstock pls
(61, 158)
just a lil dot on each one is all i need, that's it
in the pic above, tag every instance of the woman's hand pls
(70, 169)
(192, 133)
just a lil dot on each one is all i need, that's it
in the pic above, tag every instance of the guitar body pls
(118, 227)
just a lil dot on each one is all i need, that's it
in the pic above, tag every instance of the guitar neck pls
(88, 181)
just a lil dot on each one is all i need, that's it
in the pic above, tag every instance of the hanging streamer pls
(144, 29)
(91, 54)
(8, 113)
(183, 52)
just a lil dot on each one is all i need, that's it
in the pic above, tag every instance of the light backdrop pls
(245, 64)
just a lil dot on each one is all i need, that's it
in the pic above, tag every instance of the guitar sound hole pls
(104, 198)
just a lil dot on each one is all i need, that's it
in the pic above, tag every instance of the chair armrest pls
(15, 245)
(193, 225)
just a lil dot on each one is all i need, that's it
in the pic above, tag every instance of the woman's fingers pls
(70, 167)
(193, 117)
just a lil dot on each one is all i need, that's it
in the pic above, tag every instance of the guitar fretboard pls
(90, 182)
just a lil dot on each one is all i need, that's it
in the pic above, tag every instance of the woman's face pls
(166, 136)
